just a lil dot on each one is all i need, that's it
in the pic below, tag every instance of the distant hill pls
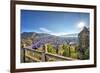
(42, 38)
(25, 35)
(70, 35)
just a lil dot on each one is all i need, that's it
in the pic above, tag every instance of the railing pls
(42, 56)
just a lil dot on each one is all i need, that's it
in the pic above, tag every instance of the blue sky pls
(52, 22)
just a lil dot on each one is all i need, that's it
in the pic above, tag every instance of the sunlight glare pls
(81, 25)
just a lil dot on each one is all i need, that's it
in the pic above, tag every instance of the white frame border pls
(52, 64)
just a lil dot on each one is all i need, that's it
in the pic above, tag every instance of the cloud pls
(44, 30)
(58, 34)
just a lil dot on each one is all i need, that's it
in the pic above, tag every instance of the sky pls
(52, 22)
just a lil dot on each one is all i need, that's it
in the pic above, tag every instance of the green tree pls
(74, 53)
(66, 50)
(50, 49)
(86, 54)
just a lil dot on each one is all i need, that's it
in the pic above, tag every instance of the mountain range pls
(45, 36)
(70, 35)
(34, 34)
